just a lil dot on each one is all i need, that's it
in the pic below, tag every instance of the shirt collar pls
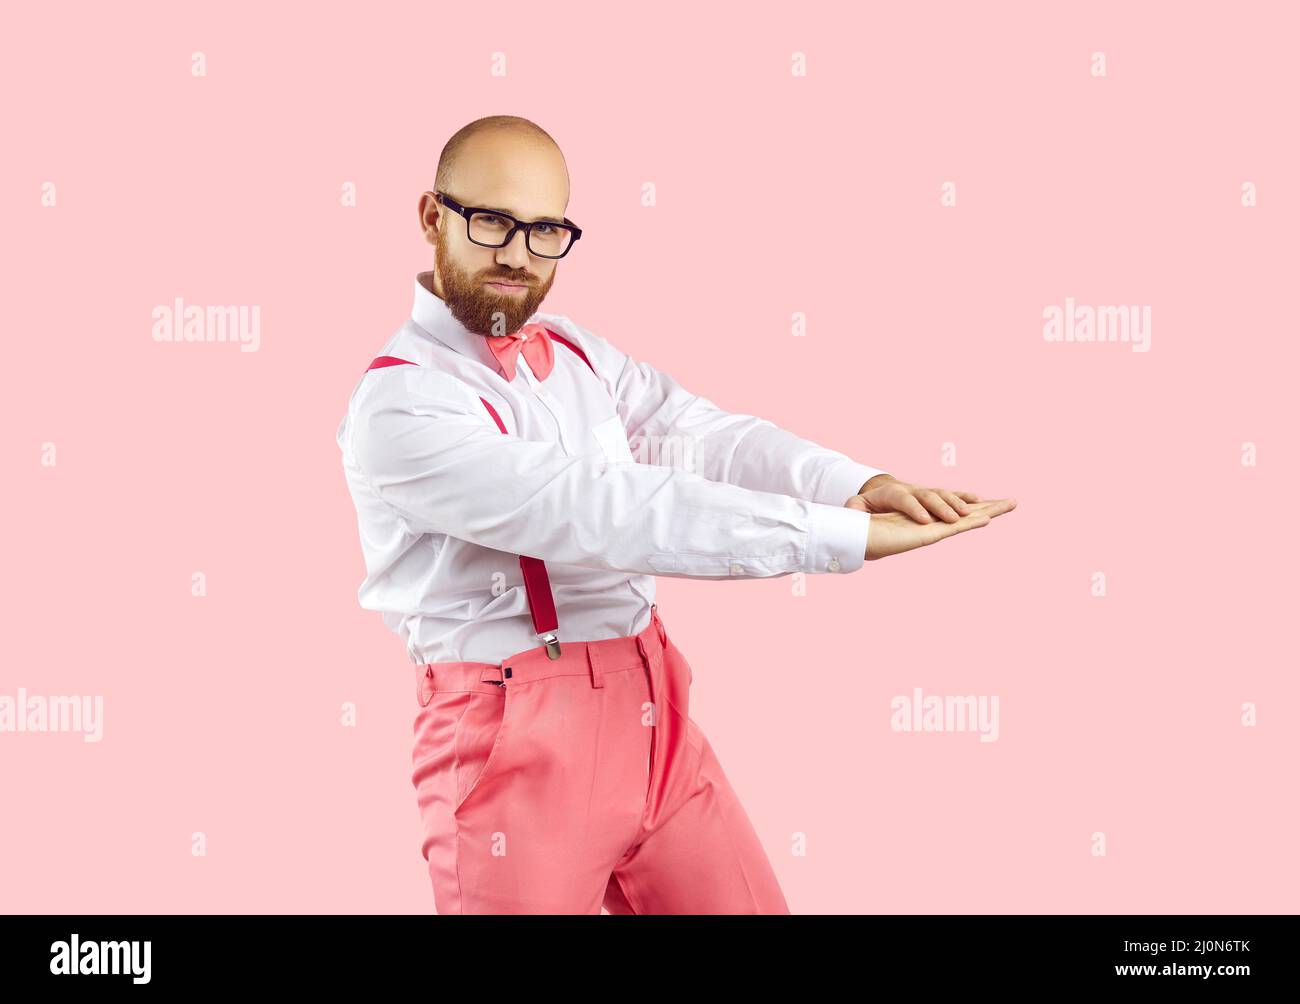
(433, 315)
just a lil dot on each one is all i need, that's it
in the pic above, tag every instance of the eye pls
(543, 229)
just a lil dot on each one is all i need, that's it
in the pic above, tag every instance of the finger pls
(953, 499)
(995, 507)
(968, 496)
(895, 532)
(910, 506)
(982, 514)
(938, 505)
(923, 536)
(972, 522)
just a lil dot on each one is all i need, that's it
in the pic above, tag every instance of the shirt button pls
(736, 569)
(834, 565)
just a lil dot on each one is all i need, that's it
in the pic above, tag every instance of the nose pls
(514, 254)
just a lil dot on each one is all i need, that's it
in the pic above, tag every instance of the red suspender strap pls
(555, 337)
(537, 584)
(381, 361)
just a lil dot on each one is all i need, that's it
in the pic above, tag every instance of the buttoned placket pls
(547, 398)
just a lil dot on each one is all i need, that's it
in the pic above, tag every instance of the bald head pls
(498, 142)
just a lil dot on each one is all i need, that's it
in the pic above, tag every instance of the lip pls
(507, 287)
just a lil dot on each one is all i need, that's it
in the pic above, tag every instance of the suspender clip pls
(552, 645)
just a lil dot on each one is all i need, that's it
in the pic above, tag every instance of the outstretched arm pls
(670, 426)
(430, 451)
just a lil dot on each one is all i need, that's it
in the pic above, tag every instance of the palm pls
(895, 532)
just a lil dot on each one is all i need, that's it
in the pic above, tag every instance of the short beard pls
(478, 308)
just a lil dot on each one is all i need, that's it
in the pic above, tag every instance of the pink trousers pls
(564, 785)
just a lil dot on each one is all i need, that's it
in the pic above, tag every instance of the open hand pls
(885, 493)
(895, 532)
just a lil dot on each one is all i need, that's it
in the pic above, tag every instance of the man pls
(511, 538)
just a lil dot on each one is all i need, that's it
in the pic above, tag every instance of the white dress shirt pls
(446, 503)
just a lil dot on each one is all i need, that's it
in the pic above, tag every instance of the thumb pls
(857, 502)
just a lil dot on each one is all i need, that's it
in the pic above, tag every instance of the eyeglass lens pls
(544, 238)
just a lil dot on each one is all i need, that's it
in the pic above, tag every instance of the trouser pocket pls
(457, 733)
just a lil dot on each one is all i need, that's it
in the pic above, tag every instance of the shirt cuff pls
(843, 480)
(837, 538)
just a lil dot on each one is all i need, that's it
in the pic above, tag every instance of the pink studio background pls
(1119, 714)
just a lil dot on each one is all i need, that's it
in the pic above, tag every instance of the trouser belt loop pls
(597, 674)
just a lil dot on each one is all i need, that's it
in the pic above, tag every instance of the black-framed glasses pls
(491, 228)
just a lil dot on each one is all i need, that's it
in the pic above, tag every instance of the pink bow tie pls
(535, 343)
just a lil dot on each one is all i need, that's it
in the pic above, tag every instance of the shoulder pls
(415, 375)
(399, 412)
(605, 357)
